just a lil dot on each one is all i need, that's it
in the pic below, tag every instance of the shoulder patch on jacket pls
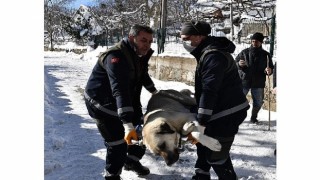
(115, 60)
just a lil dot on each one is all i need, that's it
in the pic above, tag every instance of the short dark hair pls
(135, 29)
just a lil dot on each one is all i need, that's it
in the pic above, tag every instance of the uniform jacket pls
(253, 75)
(216, 88)
(116, 81)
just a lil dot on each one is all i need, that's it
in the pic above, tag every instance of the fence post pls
(273, 27)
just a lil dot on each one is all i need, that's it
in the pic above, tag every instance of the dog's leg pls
(198, 135)
(207, 141)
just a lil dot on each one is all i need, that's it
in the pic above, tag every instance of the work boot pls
(112, 177)
(254, 115)
(137, 167)
(225, 171)
(200, 177)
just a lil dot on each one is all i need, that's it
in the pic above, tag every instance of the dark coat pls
(215, 88)
(116, 82)
(253, 75)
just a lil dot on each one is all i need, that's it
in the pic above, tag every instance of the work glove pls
(197, 135)
(129, 133)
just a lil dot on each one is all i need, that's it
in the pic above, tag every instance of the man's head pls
(140, 37)
(195, 32)
(257, 39)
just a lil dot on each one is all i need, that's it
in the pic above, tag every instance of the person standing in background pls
(253, 67)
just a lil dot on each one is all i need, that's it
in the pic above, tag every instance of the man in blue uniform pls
(112, 97)
(221, 104)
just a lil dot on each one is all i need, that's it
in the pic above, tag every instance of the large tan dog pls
(167, 113)
(167, 119)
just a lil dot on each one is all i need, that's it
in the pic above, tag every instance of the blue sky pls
(76, 4)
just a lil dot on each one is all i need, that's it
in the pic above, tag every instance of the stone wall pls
(182, 69)
(170, 68)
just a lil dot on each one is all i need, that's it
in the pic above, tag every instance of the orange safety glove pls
(129, 133)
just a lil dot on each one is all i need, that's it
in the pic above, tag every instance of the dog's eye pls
(165, 129)
(159, 149)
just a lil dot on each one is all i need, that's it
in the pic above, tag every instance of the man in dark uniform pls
(112, 97)
(222, 106)
(253, 67)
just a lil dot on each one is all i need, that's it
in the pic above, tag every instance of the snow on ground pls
(73, 148)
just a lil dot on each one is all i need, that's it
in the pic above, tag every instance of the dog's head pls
(162, 139)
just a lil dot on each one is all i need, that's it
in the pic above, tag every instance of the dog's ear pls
(165, 129)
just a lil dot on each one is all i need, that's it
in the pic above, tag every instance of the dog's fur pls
(167, 113)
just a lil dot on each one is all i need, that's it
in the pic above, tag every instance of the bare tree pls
(53, 11)
(257, 9)
(119, 15)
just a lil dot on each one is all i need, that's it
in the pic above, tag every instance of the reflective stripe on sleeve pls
(229, 111)
(204, 111)
(125, 109)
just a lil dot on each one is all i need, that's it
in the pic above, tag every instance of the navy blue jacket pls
(216, 89)
(253, 75)
(116, 82)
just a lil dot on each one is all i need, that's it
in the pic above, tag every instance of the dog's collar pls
(146, 116)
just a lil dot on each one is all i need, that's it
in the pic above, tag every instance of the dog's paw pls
(187, 128)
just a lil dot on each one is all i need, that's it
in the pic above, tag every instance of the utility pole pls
(273, 28)
(162, 30)
(231, 19)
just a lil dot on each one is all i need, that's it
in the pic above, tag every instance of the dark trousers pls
(219, 161)
(224, 130)
(112, 131)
